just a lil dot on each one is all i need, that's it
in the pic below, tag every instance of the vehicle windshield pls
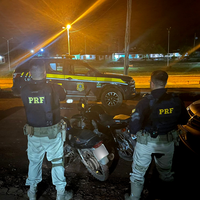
(82, 69)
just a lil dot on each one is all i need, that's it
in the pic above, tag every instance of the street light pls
(68, 27)
(168, 29)
(8, 40)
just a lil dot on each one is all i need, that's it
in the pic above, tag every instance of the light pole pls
(68, 27)
(8, 40)
(85, 45)
(195, 38)
(168, 30)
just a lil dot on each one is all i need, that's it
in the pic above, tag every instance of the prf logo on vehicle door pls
(80, 87)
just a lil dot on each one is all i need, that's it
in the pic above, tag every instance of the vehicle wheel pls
(111, 98)
(96, 169)
(126, 147)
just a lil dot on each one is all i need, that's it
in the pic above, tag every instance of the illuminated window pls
(57, 67)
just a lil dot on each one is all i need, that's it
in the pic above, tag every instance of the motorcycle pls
(112, 129)
(98, 154)
(86, 146)
(190, 133)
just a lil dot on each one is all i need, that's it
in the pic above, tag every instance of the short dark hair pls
(37, 68)
(159, 77)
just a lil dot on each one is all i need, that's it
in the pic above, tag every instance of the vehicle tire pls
(111, 98)
(96, 169)
(126, 147)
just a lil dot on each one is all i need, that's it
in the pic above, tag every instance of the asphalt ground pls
(13, 161)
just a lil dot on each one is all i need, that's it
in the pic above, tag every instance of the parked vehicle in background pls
(76, 76)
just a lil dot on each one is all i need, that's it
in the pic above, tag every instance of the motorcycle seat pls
(105, 117)
(83, 138)
(109, 120)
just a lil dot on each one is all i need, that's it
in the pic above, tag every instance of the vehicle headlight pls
(132, 82)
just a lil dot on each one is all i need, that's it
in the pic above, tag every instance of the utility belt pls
(50, 131)
(144, 137)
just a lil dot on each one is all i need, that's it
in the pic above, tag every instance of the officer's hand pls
(133, 136)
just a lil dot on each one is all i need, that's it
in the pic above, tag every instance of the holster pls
(63, 129)
(175, 137)
(142, 137)
(28, 130)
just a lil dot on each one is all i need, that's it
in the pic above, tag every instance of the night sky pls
(30, 22)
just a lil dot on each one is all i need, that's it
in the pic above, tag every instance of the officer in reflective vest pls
(44, 130)
(154, 122)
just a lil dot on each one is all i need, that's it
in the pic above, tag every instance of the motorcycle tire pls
(127, 154)
(96, 169)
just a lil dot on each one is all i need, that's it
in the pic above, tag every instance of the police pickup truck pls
(77, 77)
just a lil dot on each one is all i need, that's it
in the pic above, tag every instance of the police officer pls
(154, 122)
(44, 130)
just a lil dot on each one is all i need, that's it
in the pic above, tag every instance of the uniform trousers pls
(142, 159)
(37, 147)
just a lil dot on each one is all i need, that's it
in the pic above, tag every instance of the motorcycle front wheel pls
(126, 147)
(96, 169)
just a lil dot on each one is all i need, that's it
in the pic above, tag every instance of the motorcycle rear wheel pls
(96, 169)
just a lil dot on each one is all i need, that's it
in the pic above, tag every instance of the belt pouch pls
(52, 132)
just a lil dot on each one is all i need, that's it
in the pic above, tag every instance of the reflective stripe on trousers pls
(37, 147)
(142, 159)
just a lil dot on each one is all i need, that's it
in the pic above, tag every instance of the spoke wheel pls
(96, 169)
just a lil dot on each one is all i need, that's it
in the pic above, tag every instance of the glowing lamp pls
(68, 26)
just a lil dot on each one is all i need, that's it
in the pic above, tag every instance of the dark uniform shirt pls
(143, 111)
(42, 102)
